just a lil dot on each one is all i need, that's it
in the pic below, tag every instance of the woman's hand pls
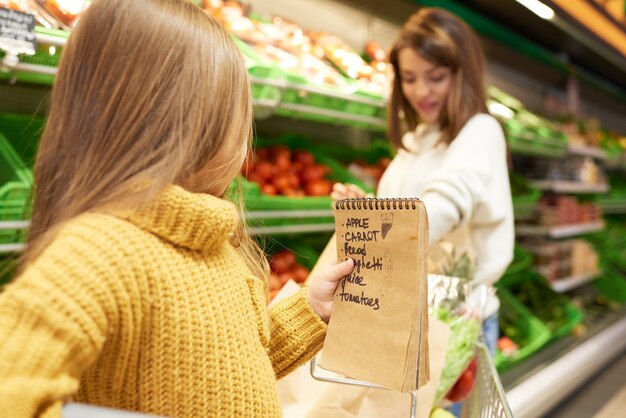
(322, 287)
(346, 191)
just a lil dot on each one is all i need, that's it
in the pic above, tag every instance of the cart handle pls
(78, 410)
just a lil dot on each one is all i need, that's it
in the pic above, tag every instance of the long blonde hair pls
(146, 89)
(445, 40)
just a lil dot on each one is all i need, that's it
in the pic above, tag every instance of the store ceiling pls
(564, 36)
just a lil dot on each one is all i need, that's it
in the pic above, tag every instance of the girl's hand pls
(322, 287)
(346, 191)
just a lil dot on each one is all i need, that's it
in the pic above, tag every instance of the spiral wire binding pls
(377, 204)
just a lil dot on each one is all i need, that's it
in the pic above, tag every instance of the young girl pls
(139, 289)
(451, 153)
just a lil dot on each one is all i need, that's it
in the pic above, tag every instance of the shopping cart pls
(487, 399)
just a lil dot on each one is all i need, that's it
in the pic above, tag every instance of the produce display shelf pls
(542, 140)
(11, 248)
(292, 229)
(568, 283)
(272, 104)
(547, 378)
(561, 231)
(587, 151)
(561, 186)
(14, 224)
(290, 214)
(613, 206)
(532, 148)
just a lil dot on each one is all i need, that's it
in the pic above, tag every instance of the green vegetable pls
(461, 348)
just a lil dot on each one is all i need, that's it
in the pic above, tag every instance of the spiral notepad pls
(379, 324)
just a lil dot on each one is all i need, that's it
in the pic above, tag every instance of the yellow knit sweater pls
(151, 311)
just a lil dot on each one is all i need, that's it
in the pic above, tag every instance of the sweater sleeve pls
(462, 191)
(297, 333)
(52, 327)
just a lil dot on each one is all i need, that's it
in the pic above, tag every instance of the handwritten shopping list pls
(374, 330)
(358, 240)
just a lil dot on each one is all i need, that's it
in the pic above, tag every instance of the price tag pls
(17, 32)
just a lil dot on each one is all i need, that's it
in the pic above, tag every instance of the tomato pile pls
(284, 266)
(369, 174)
(280, 171)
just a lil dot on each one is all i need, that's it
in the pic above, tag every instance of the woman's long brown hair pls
(442, 38)
(146, 89)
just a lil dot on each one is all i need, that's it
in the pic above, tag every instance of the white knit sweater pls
(465, 187)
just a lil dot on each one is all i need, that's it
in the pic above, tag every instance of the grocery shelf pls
(587, 151)
(536, 149)
(544, 380)
(559, 231)
(562, 186)
(289, 214)
(291, 229)
(11, 248)
(300, 108)
(613, 207)
(569, 283)
(14, 224)
(302, 88)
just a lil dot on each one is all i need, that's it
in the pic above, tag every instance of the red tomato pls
(283, 163)
(265, 169)
(262, 154)
(290, 191)
(282, 262)
(269, 189)
(256, 178)
(300, 273)
(294, 180)
(310, 173)
(304, 157)
(319, 187)
(281, 182)
(464, 385)
(279, 265)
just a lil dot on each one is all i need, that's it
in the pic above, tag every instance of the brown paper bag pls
(351, 401)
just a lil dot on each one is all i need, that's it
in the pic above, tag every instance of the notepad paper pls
(379, 324)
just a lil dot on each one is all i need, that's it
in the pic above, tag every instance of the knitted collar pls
(191, 220)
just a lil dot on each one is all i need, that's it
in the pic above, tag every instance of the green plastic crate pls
(531, 336)
(573, 315)
(15, 185)
(15, 178)
(611, 284)
(23, 132)
(522, 260)
(367, 109)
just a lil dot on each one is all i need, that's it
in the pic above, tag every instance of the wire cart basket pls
(487, 399)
